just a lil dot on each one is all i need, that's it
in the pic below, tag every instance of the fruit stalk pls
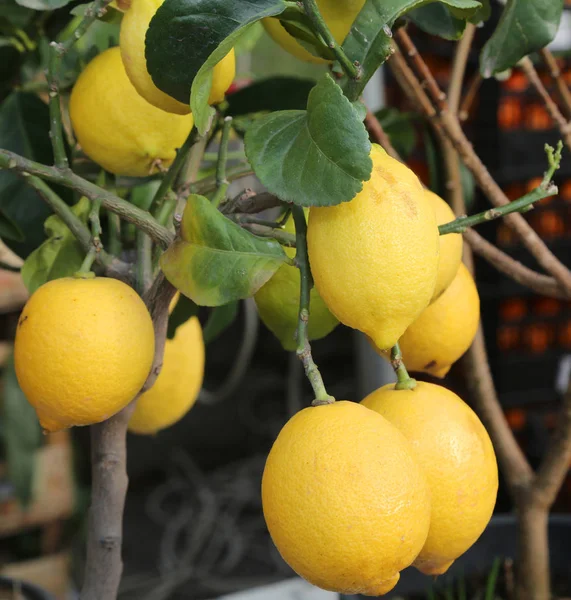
(222, 182)
(320, 26)
(404, 380)
(523, 204)
(306, 283)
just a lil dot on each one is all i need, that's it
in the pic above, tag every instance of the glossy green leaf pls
(24, 128)
(217, 261)
(187, 38)
(369, 40)
(436, 19)
(22, 436)
(317, 157)
(61, 255)
(14, 14)
(482, 14)
(525, 27)
(185, 309)
(219, 319)
(9, 230)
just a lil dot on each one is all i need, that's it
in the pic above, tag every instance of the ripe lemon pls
(444, 330)
(83, 349)
(456, 453)
(375, 259)
(132, 41)
(339, 16)
(278, 304)
(176, 389)
(345, 502)
(116, 127)
(450, 245)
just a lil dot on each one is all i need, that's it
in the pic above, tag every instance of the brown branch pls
(470, 95)
(563, 125)
(250, 202)
(514, 465)
(453, 130)
(379, 135)
(459, 67)
(556, 75)
(104, 565)
(542, 284)
(555, 463)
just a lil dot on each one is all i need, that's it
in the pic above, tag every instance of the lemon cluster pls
(121, 120)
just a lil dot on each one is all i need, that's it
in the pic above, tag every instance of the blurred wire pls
(243, 359)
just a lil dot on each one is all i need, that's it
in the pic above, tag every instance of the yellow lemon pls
(177, 387)
(278, 304)
(116, 127)
(83, 350)
(339, 16)
(345, 502)
(450, 245)
(132, 41)
(445, 329)
(375, 259)
(455, 452)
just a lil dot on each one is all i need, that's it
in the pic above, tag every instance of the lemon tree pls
(129, 134)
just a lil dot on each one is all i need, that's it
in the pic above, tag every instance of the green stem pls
(222, 182)
(171, 174)
(303, 346)
(57, 51)
(144, 266)
(114, 244)
(404, 380)
(523, 204)
(166, 209)
(140, 218)
(312, 11)
(283, 237)
(208, 184)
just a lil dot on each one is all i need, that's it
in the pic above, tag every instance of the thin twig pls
(208, 184)
(542, 284)
(283, 237)
(459, 67)
(303, 346)
(451, 127)
(249, 202)
(404, 380)
(114, 230)
(126, 210)
(312, 11)
(170, 176)
(556, 75)
(472, 90)
(552, 108)
(379, 135)
(104, 565)
(222, 182)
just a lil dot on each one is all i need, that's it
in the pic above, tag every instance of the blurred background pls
(193, 523)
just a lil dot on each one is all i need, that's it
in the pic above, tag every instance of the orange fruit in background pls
(513, 309)
(538, 337)
(516, 418)
(505, 235)
(564, 337)
(514, 191)
(546, 307)
(508, 338)
(565, 190)
(518, 82)
(548, 224)
(537, 117)
(510, 113)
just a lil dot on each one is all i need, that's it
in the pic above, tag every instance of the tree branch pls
(222, 182)
(451, 127)
(542, 284)
(249, 202)
(552, 108)
(104, 565)
(555, 73)
(461, 56)
(379, 135)
(126, 210)
(468, 99)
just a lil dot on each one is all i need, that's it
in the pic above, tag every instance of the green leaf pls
(10, 230)
(187, 38)
(43, 4)
(24, 129)
(483, 14)
(220, 318)
(60, 255)
(217, 261)
(369, 40)
(22, 436)
(185, 309)
(525, 26)
(436, 19)
(274, 93)
(14, 14)
(317, 157)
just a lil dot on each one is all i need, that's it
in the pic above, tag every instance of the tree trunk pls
(533, 569)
